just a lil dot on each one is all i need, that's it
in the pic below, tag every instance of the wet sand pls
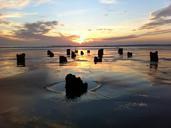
(132, 94)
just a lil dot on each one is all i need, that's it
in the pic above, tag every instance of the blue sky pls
(61, 22)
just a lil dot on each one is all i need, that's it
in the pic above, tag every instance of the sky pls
(84, 22)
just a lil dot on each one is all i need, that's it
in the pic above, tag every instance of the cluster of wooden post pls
(63, 59)
(120, 52)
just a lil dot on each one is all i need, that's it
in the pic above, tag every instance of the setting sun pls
(80, 40)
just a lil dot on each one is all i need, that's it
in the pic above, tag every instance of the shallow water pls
(130, 89)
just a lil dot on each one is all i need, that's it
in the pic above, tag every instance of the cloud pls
(159, 18)
(131, 36)
(15, 4)
(104, 29)
(108, 1)
(2, 22)
(162, 13)
(36, 34)
(15, 15)
(35, 30)
(156, 23)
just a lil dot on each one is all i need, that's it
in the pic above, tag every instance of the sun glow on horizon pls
(80, 40)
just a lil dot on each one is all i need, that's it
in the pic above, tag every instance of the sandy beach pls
(127, 92)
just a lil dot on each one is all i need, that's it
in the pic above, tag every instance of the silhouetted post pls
(82, 53)
(50, 54)
(76, 51)
(62, 59)
(129, 54)
(120, 51)
(88, 51)
(74, 86)
(100, 53)
(21, 59)
(68, 52)
(73, 55)
(154, 56)
(97, 59)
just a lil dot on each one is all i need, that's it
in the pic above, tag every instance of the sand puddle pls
(59, 87)
(104, 87)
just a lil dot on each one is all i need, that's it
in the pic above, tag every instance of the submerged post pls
(21, 59)
(120, 51)
(50, 53)
(154, 56)
(129, 54)
(73, 55)
(62, 59)
(97, 59)
(100, 53)
(82, 53)
(68, 52)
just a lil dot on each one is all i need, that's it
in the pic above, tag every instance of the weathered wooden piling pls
(62, 59)
(154, 56)
(21, 59)
(50, 53)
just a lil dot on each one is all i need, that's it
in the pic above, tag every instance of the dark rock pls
(74, 86)
(100, 53)
(50, 54)
(82, 53)
(129, 54)
(73, 55)
(120, 51)
(154, 56)
(68, 52)
(97, 59)
(62, 59)
(21, 59)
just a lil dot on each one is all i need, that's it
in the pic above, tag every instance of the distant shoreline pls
(60, 46)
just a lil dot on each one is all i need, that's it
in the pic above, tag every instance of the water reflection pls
(153, 66)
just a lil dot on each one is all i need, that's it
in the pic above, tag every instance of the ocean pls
(122, 91)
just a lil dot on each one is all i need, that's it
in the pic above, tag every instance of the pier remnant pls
(21, 60)
(100, 53)
(74, 86)
(62, 59)
(73, 55)
(82, 53)
(88, 51)
(97, 59)
(120, 51)
(129, 54)
(154, 56)
(76, 51)
(50, 53)
(68, 52)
